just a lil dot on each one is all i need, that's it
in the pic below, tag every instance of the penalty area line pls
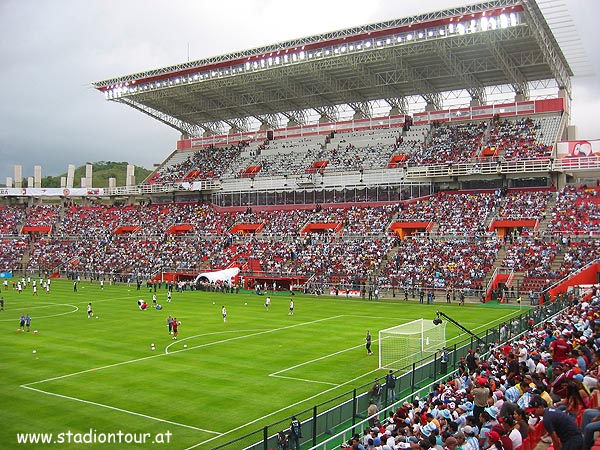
(305, 380)
(114, 408)
(276, 374)
(286, 408)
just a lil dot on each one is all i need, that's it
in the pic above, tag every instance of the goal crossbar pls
(405, 344)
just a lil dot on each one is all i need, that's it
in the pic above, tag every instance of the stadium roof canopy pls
(471, 48)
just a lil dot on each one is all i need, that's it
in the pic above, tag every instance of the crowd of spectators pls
(578, 255)
(456, 213)
(41, 215)
(206, 163)
(347, 260)
(11, 253)
(500, 139)
(541, 385)
(123, 255)
(450, 144)
(11, 219)
(531, 255)
(517, 139)
(577, 211)
(524, 205)
(344, 244)
(424, 262)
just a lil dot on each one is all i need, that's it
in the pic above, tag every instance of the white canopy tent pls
(219, 275)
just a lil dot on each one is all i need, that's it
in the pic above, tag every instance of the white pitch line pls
(28, 385)
(114, 408)
(50, 315)
(305, 380)
(274, 374)
(165, 354)
(292, 405)
(68, 375)
(258, 333)
(233, 430)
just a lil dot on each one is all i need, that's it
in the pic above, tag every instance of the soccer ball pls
(213, 303)
(35, 351)
(178, 323)
(35, 332)
(97, 317)
(184, 345)
(245, 304)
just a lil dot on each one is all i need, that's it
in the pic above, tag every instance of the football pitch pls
(78, 380)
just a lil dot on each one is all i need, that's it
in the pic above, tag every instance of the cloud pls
(52, 50)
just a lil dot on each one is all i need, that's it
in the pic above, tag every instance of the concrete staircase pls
(546, 216)
(26, 256)
(497, 263)
(434, 229)
(56, 226)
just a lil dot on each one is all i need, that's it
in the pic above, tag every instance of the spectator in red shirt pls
(560, 350)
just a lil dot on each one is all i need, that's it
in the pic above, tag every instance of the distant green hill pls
(102, 171)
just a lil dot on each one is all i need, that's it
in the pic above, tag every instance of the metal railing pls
(538, 315)
(326, 425)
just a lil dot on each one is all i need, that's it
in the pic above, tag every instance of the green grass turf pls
(233, 378)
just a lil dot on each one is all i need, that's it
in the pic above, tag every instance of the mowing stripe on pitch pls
(166, 352)
(114, 408)
(74, 310)
(292, 405)
(258, 333)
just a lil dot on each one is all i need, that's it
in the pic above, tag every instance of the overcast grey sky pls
(51, 50)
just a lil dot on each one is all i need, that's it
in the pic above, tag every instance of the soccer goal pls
(403, 345)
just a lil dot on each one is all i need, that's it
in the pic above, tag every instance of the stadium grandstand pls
(344, 143)
(432, 152)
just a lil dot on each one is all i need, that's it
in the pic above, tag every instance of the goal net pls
(403, 345)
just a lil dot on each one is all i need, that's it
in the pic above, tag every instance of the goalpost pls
(403, 345)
